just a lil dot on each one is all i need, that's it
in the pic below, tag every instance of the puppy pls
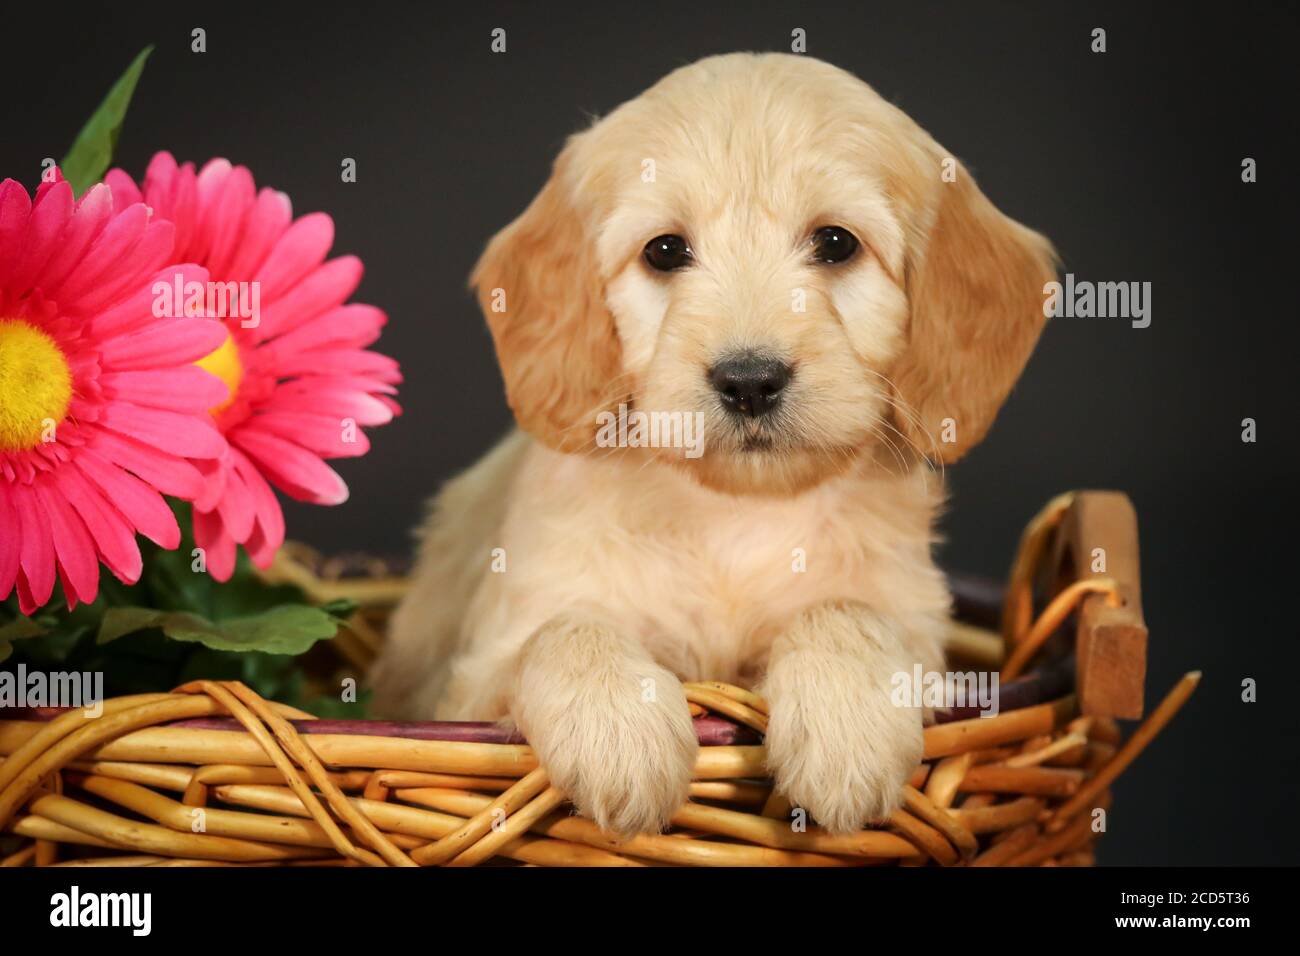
(763, 245)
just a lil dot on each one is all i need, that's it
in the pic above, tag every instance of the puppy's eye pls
(666, 253)
(833, 244)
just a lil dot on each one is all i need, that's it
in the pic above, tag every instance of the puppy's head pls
(763, 244)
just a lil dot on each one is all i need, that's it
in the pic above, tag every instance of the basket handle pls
(1098, 538)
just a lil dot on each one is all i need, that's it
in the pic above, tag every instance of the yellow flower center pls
(35, 386)
(224, 364)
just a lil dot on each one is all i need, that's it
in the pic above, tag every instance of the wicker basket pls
(212, 774)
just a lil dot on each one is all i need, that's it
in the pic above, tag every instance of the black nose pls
(750, 384)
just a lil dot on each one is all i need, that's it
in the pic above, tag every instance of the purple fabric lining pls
(711, 731)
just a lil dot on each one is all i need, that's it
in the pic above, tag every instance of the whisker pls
(892, 398)
(894, 449)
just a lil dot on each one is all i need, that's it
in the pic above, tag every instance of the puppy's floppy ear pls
(540, 288)
(975, 289)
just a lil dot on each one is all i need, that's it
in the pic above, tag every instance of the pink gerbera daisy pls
(301, 380)
(100, 406)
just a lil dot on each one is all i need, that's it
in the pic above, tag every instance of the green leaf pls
(285, 629)
(120, 621)
(92, 152)
(16, 630)
(342, 608)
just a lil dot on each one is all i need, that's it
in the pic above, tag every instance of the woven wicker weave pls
(212, 774)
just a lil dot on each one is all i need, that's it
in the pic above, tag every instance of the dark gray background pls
(1129, 161)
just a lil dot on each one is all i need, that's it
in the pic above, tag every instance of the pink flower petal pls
(295, 471)
(69, 592)
(348, 326)
(138, 307)
(270, 518)
(73, 545)
(185, 389)
(163, 344)
(236, 507)
(152, 251)
(187, 435)
(49, 217)
(209, 181)
(140, 504)
(10, 543)
(260, 549)
(49, 179)
(159, 469)
(113, 537)
(218, 546)
(224, 212)
(215, 473)
(27, 603)
(300, 250)
(172, 192)
(322, 395)
(326, 436)
(124, 189)
(341, 362)
(37, 545)
(265, 224)
(158, 178)
(91, 214)
(15, 210)
(351, 383)
(115, 242)
(316, 293)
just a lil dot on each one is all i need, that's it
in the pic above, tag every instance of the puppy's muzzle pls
(749, 384)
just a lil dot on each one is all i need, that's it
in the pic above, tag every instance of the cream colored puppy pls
(762, 245)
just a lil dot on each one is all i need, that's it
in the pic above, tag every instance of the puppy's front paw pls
(845, 766)
(617, 739)
(838, 744)
(626, 764)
